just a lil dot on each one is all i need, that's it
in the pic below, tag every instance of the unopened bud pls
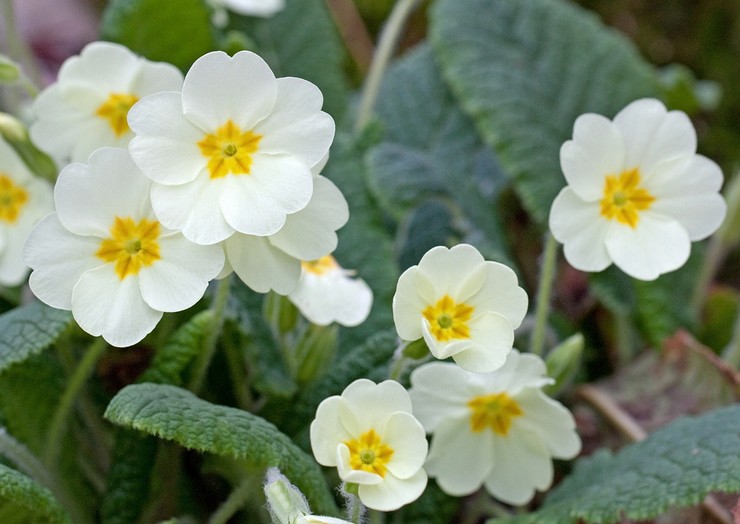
(9, 70)
(563, 362)
(280, 313)
(314, 352)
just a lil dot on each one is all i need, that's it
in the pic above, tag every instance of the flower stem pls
(716, 251)
(386, 45)
(218, 306)
(233, 503)
(544, 290)
(74, 386)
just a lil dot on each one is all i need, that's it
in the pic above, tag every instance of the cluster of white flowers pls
(177, 181)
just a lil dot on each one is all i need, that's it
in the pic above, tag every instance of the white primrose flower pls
(106, 257)
(273, 262)
(24, 200)
(465, 307)
(637, 193)
(233, 151)
(87, 107)
(494, 429)
(327, 293)
(369, 434)
(287, 505)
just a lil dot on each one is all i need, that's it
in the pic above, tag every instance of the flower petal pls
(657, 245)
(348, 474)
(408, 305)
(492, 337)
(439, 390)
(579, 226)
(261, 266)
(597, 150)
(333, 297)
(370, 403)
(501, 294)
(551, 421)
(405, 436)
(393, 493)
(327, 431)
(445, 266)
(103, 304)
(460, 459)
(218, 88)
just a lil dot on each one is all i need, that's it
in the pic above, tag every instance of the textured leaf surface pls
(133, 454)
(174, 31)
(18, 490)
(28, 330)
(677, 465)
(301, 40)
(524, 71)
(176, 414)
(432, 148)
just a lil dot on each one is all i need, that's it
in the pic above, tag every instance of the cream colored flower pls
(464, 306)
(494, 429)
(105, 256)
(327, 293)
(233, 152)
(369, 434)
(24, 200)
(88, 105)
(637, 193)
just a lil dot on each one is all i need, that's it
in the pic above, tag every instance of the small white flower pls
(327, 293)
(273, 262)
(465, 307)
(87, 107)
(24, 200)
(369, 434)
(495, 429)
(637, 194)
(106, 257)
(233, 152)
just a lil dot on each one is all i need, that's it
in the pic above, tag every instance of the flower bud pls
(563, 363)
(314, 352)
(9, 70)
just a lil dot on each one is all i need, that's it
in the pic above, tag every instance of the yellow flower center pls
(131, 245)
(624, 198)
(12, 199)
(448, 320)
(320, 266)
(229, 150)
(115, 110)
(369, 453)
(495, 411)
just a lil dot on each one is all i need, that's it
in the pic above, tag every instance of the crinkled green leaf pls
(524, 71)
(128, 481)
(28, 330)
(302, 40)
(174, 31)
(25, 498)
(677, 465)
(176, 414)
(432, 149)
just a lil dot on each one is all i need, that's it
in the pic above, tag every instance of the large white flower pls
(637, 192)
(464, 306)
(273, 262)
(24, 200)
(233, 152)
(87, 107)
(106, 257)
(369, 434)
(327, 293)
(495, 429)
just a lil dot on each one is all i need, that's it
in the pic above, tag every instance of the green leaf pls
(133, 456)
(524, 71)
(28, 330)
(302, 41)
(28, 497)
(176, 414)
(677, 465)
(432, 149)
(174, 31)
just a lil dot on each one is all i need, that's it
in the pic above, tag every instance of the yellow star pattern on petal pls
(229, 150)
(131, 246)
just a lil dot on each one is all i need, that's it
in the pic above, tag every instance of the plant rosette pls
(463, 306)
(637, 193)
(494, 429)
(87, 107)
(369, 434)
(233, 151)
(24, 200)
(105, 256)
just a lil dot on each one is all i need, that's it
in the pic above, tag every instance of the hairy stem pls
(544, 290)
(386, 45)
(233, 503)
